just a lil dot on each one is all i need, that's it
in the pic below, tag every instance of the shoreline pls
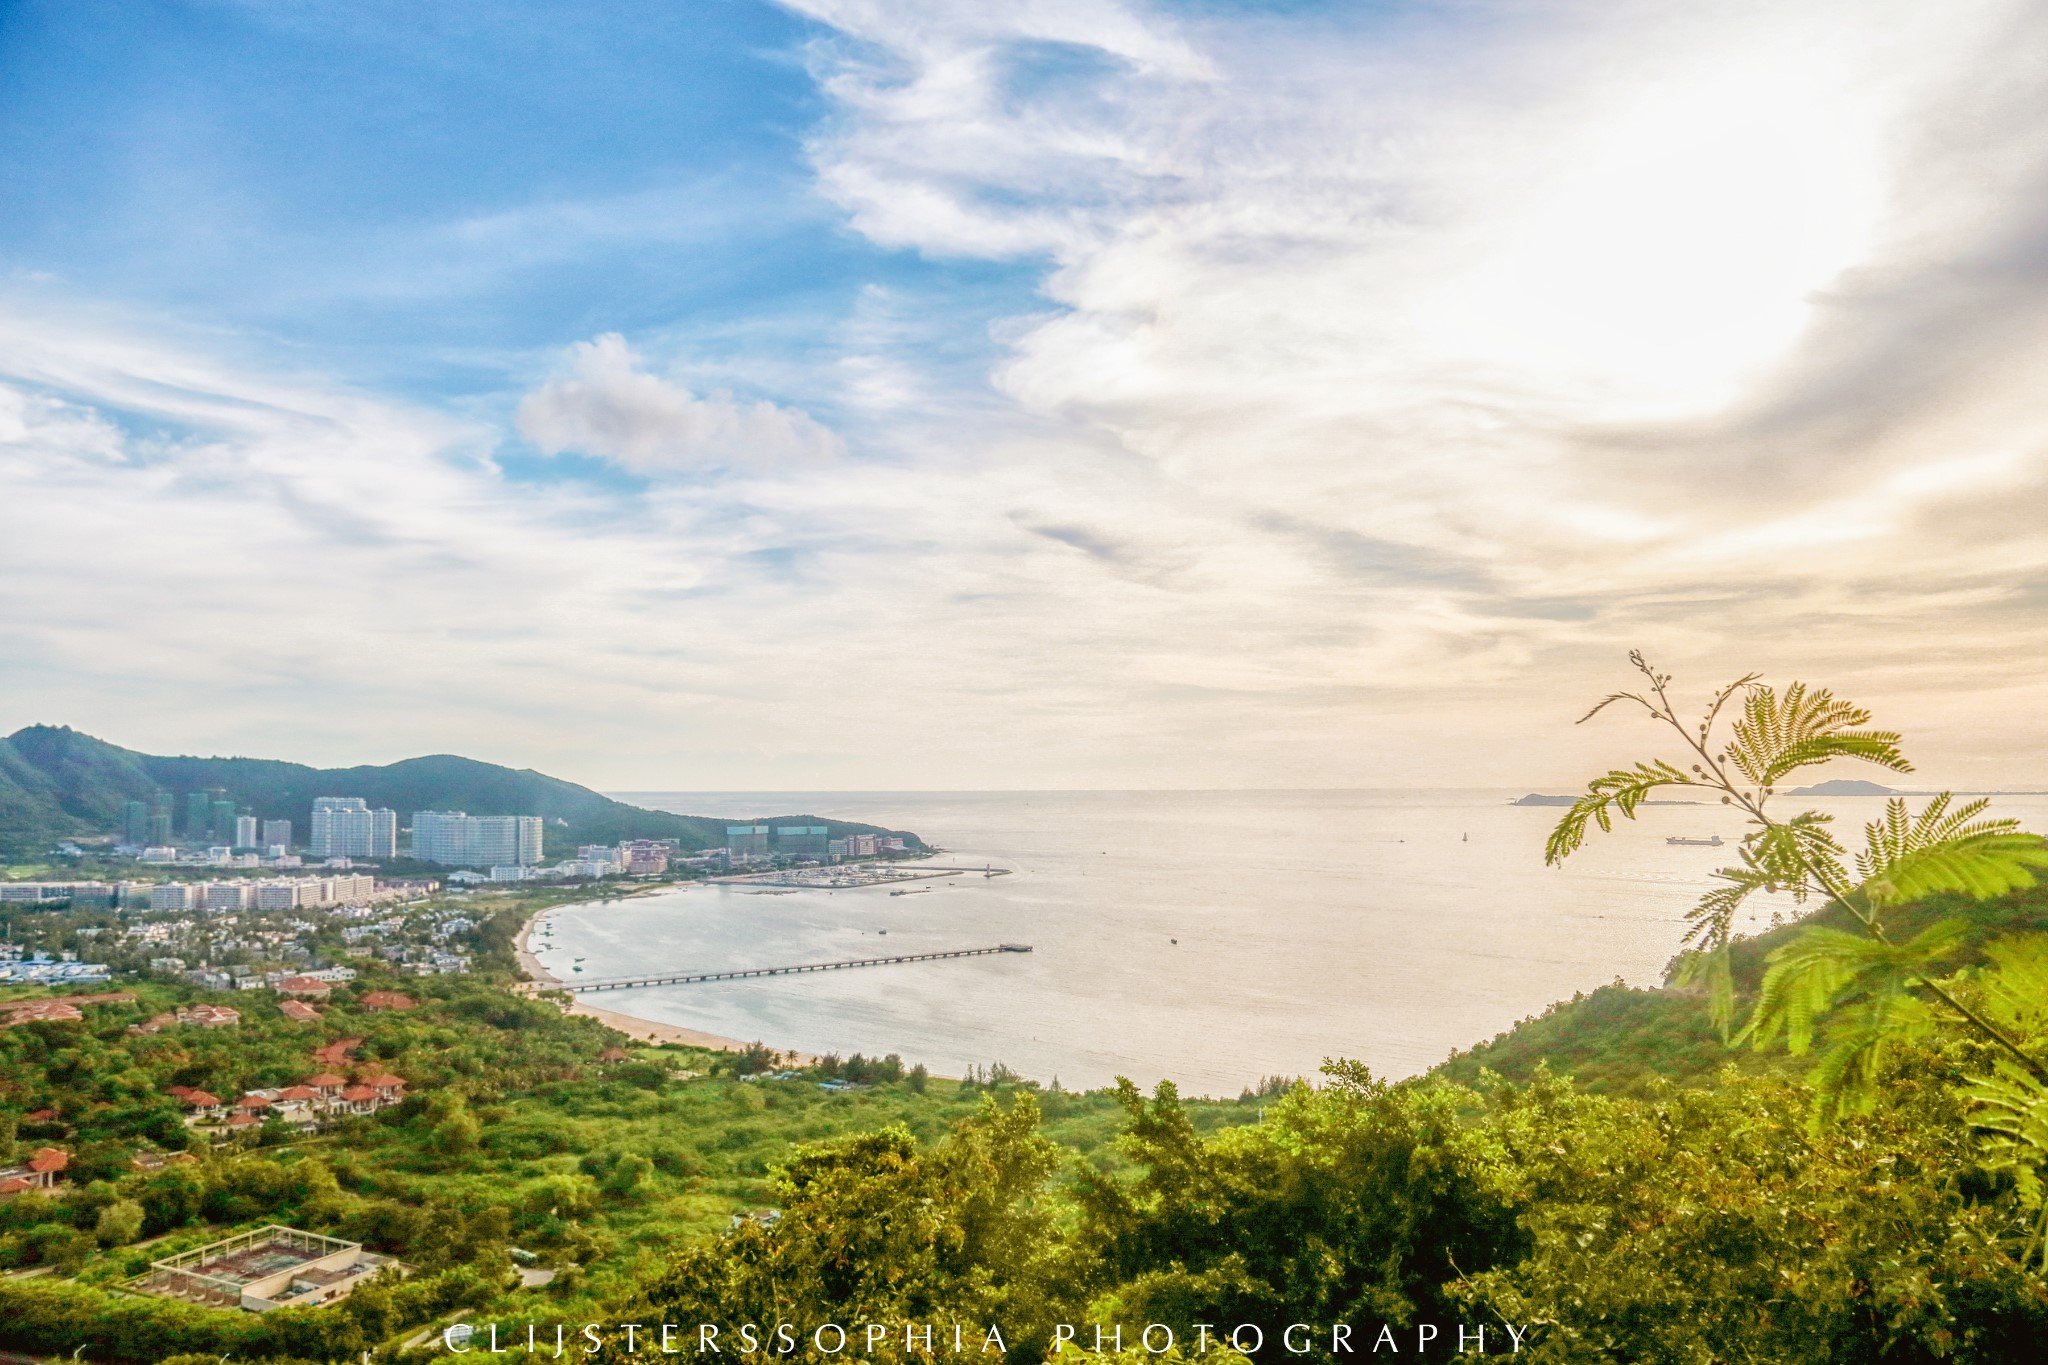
(638, 1029)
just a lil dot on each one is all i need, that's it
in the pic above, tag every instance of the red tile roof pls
(196, 1099)
(252, 1102)
(42, 1012)
(16, 1184)
(336, 1053)
(358, 1093)
(326, 1080)
(40, 1115)
(299, 1011)
(388, 1000)
(49, 1159)
(298, 1092)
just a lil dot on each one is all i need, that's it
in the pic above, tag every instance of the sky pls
(853, 394)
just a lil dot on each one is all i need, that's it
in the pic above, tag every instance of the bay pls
(1211, 938)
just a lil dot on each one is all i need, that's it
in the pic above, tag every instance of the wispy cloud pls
(1389, 373)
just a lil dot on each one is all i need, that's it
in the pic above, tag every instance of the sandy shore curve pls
(641, 1030)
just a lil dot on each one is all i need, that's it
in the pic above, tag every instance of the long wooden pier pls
(623, 983)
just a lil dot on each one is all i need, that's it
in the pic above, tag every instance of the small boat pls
(1714, 842)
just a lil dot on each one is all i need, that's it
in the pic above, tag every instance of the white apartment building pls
(290, 893)
(454, 838)
(223, 896)
(245, 831)
(346, 827)
(174, 896)
(285, 893)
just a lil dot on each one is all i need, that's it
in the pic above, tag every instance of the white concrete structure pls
(454, 838)
(346, 827)
(223, 896)
(174, 896)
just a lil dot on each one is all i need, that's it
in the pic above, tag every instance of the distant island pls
(1845, 786)
(58, 783)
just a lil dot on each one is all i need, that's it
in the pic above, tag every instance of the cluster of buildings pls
(629, 858)
(61, 1009)
(803, 843)
(21, 967)
(210, 818)
(320, 1099)
(340, 827)
(275, 893)
(234, 953)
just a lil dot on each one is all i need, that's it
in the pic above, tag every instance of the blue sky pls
(417, 196)
(867, 393)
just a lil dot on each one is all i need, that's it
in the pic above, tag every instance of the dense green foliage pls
(57, 783)
(1857, 1176)
(1690, 1225)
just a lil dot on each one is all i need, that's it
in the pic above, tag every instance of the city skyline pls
(849, 395)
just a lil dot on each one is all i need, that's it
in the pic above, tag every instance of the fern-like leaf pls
(1859, 1038)
(2009, 1108)
(2012, 986)
(1619, 792)
(1800, 855)
(1779, 733)
(1821, 967)
(1942, 849)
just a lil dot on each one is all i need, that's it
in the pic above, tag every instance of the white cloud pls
(1392, 377)
(1544, 330)
(607, 406)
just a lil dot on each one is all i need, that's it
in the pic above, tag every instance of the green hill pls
(57, 783)
(1619, 1038)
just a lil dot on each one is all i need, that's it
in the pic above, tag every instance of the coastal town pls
(228, 916)
(263, 985)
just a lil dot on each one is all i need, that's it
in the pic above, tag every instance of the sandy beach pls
(643, 1030)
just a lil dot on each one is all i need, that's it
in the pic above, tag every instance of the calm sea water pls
(1207, 937)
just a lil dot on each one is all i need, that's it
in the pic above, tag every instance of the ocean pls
(1210, 938)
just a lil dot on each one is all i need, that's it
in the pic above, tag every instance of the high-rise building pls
(456, 839)
(277, 834)
(346, 827)
(802, 841)
(198, 815)
(222, 824)
(746, 841)
(135, 823)
(159, 827)
(245, 831)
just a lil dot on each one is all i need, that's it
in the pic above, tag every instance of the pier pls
(624, 983)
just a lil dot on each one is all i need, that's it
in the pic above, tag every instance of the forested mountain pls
(56, 782)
